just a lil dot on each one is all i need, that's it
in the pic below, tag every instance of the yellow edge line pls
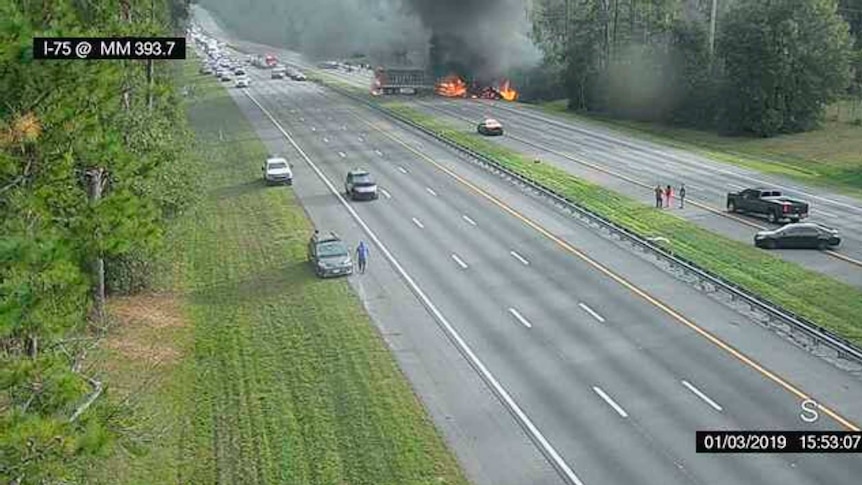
(692, 201)
(630, 286)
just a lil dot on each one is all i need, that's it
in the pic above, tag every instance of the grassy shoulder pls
(829, 157)
(830, 303)
(273, 375)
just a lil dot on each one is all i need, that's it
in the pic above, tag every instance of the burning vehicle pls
(454, 86)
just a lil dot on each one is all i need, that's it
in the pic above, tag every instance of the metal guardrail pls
(796, 325)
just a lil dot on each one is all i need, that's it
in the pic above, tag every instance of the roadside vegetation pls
(92, 172)
(747, 67)
(269, 374)
(830, 156)
(830, 303)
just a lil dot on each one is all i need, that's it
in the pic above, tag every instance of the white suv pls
(243, 82)
(276, 170)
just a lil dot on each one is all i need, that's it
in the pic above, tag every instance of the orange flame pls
(451, 86)
(507, 92)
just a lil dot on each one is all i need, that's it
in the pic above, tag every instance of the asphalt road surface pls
(634, 167)
(605, 383)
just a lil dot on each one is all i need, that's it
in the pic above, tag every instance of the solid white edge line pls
(589, 310)
(458, 260)
(701, 395)
(469, 221)
(402, 169)
(385, 193)
(547, 449)
(519, 258)
(416, 221)
(431, 191)
(622, 412)
(520, 318)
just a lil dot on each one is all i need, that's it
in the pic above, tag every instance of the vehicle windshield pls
(277, 165)
(331, 249)
(363, 180)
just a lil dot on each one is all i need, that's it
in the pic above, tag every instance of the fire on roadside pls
(451, 86)
(507, 92)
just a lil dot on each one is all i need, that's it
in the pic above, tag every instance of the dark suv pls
(360, 185)
(329, 255)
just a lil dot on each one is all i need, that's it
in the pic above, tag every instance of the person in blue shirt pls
(362, 255)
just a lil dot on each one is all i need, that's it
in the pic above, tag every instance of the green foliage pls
(59, 122)
(776, 66)
(784, 62)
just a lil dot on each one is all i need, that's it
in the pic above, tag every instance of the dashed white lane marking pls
(519, 258)
(385, 193)
(313, 129)
(591, 312)
(520, 318)
(344, 127)
(342, 154)
(325, 140)
(379, 153)
(301, 119)
(824, 213)
(469, 221)
(701, 395)
(431, 191)
(458, 260)
(402, 169)
(622, 412)
(360, 139)
(547, 448)
(419, 224)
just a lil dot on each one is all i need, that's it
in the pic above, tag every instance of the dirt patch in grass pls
(139, 322)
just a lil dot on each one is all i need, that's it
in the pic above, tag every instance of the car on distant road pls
(360, 185)
(329, 256)
(277, 72)
(243, 82)
(767, 202)
(224, 75)
(805, 235)
(276, 170)
(206, 69)
(239, 71)
(295, 74)
(490, 127)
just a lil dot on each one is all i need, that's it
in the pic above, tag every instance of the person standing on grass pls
(658, 193)
(362, 255)
(682, 196)
(668, 195)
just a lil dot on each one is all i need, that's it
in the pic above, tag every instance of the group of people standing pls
(664, 196)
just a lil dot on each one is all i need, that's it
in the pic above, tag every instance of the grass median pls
(275, 376)
(830, 303)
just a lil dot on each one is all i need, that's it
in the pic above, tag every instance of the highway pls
(544, 353)
(634, 167)
(605, 376)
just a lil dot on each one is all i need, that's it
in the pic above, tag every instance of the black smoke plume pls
(478, 39)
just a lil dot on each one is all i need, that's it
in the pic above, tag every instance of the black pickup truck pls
(767, 202)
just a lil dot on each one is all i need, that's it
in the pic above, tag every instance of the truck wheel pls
(770, 244)
(731, 207)
(822, 245)
(772, 217)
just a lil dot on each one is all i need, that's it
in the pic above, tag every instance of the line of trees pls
(740, 66)
(92, 168)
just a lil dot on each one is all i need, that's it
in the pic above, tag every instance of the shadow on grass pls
(289, 279)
